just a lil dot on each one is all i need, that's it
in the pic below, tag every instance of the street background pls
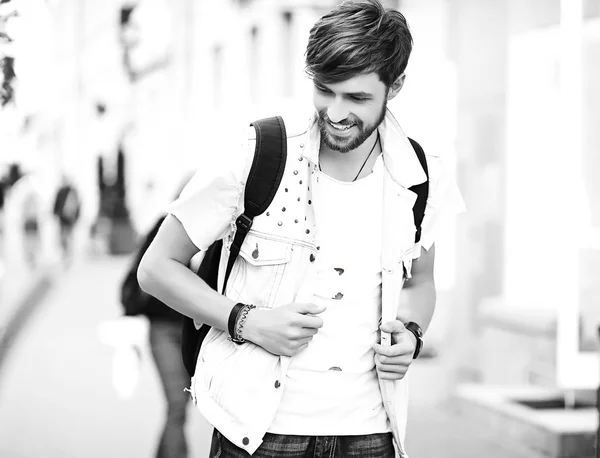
(123, 98)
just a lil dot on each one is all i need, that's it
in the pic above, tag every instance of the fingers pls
(392, 369)
(309, 331)
(395, 326)
(301, 345)
(289, 329)
(307, 321)
(394, 360)
(304, 341)
(296, 333)
(305, 315)
(295, 346)
(390, 375)
(309, 309)
(400, 349)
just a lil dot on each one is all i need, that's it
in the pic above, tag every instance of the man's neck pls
(345, 166)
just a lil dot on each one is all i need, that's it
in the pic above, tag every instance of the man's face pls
(350, 111)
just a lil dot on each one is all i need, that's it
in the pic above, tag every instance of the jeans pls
(165, 344)
(281, 446)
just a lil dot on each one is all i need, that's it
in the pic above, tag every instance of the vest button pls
(277, 384)
(245, 441)
(312, 257)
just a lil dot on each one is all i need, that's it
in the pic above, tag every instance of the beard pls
(343, 144)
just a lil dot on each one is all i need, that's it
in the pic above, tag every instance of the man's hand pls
(284, 330)
(393, 361)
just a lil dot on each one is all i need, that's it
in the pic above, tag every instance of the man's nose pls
(337, 111)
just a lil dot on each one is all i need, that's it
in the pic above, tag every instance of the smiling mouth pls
(341, 127)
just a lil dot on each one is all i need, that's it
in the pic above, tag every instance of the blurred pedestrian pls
(67, 207)
(31, 228)
(326, 306)
(165, 346)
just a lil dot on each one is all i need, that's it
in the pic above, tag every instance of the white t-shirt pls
(331, 387)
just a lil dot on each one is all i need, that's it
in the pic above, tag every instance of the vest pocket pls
(260, 251)
(259, 270)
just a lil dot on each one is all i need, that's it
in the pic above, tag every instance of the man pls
(332, 266)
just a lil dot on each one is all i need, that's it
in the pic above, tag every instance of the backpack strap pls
(422, 191)
(270, 155)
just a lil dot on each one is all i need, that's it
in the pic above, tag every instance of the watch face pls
(415, 328)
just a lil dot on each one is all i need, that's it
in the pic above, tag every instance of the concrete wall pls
(522, 226)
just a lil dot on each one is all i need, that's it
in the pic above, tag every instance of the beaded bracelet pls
(239, 323)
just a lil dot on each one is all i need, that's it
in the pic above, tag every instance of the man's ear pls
(396, 86)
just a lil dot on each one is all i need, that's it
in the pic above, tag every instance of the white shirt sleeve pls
(209, 203)
(443, 203)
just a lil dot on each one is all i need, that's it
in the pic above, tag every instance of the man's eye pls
(359, 99)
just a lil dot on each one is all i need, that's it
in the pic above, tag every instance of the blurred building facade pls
(526, 145)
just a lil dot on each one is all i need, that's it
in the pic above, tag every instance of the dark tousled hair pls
(357, 38)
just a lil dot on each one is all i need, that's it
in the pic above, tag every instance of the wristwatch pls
(418, 332)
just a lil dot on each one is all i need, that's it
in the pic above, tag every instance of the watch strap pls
(418, 333)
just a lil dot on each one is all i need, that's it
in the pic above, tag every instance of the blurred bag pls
(133, 299)
(127, 336)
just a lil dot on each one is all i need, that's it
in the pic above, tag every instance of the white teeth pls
(341, 126)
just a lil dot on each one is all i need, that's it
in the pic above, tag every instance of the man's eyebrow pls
(358, 94)
(351, 94)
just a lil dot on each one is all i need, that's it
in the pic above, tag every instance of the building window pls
(288, 54)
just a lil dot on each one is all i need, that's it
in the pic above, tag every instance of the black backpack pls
(263, 181)
(133, 299)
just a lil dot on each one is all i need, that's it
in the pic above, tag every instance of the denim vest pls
(238, 387)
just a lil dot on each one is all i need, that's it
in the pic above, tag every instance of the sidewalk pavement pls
(436, 428)
(20, 291)
(57, 390)
(58, 397)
